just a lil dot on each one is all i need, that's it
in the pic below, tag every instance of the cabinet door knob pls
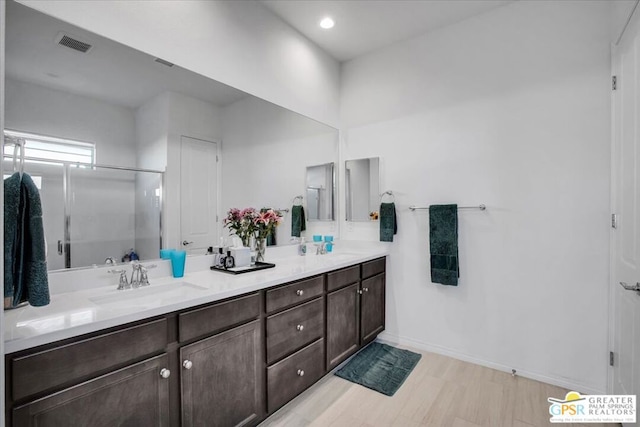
(365, 289)
(359, 291)
(165, 373)
(300, 327)
(300, 373)
(299, 292)
(187, 364)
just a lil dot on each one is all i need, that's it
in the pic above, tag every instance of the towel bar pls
(481, 207)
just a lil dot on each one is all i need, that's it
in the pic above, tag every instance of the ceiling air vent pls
(72, 42)
(163, 62)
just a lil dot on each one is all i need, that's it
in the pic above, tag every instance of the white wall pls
(239, 43)
(510, 109)
(265, 152)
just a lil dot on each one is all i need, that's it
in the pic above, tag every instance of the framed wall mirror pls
(362, 184)
(320, 192)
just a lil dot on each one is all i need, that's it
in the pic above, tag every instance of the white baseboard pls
(388, 338)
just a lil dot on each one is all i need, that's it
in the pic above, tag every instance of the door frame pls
(219, 218)
(632, 25)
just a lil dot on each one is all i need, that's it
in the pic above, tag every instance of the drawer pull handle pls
(300, 327)
(165, 373)
(299, 292)
(187, 364)
(300, 373)
(365, 289)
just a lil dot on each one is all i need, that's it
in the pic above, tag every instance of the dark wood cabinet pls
(343, 324)
(133, 396)
(355, 313)
(227, 363)
(222, 379)
(372, 306)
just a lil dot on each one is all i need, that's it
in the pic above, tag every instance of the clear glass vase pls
(261, 248)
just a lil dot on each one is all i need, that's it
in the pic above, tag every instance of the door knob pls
(628, 287)
(165, 373)
(187, 364)
(300, 373)
(300, 327)
(185, 243)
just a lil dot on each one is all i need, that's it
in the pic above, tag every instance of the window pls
(48, 149)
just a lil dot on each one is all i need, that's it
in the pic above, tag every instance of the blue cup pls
(328, 239)
(317, 238)
(178, 259)
(166, 253)
(329, 247)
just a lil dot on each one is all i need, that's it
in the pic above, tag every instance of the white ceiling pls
(110, 71)
(366, 25)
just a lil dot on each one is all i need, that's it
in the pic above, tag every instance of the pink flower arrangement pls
(267, 221)
(249, 222)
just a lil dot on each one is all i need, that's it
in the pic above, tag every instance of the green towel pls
(298, 222)
(35, 277)
(11, 232)
(388, 223)
(25, 266)
(443, 243)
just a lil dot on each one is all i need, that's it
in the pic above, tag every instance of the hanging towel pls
(11, 236)
(25, 276)
(443, 243)
(388, 222)
(298, 222)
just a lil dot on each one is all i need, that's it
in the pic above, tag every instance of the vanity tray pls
(240, 270)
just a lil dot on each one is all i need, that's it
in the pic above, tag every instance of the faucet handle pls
(123, 283)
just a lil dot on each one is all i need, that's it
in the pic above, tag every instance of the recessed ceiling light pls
(327, 23)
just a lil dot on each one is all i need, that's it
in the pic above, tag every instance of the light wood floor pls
(440, 391)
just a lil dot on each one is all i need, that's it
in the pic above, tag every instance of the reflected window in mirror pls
(362, 182)
(320, 192)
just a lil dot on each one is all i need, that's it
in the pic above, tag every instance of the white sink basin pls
(148, 296)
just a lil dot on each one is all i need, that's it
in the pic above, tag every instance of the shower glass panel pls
(49, 180)
(94, 212)
(112, 212)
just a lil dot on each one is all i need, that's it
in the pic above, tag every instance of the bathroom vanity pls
(255, 344)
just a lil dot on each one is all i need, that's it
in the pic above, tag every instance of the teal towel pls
(443, 243)
(11, 232)
(298, 222)
(25, 274)
(388, 222)
(35, 259)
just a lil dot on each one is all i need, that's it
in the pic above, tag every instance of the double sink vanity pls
(209, 349)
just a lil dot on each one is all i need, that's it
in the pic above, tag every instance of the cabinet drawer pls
(371, 268)
(289, 377)
(71, 363)
(295, 293)
(132, 396)
(344, 277)
(217, 317)
(294, 328)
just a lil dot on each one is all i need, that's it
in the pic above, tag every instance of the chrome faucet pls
(140, 272)
(321, 249)
(122, 282)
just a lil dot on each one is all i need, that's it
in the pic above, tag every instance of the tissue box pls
(242, 256)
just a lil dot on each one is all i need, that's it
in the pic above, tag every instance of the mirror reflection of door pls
(319, 192)
(198, 194)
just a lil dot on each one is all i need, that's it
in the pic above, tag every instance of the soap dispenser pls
(302, 247)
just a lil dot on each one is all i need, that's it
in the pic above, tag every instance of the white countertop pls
(82, 311)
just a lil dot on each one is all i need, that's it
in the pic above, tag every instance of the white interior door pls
(626, 201)
(198, 194)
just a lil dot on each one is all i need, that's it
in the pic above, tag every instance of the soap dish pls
(249, 268)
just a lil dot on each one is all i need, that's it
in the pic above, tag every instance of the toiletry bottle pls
(229, 261)
(302, 247)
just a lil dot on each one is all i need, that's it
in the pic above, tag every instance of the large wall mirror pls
(141, 115)
(320, 191)
(362, 184)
